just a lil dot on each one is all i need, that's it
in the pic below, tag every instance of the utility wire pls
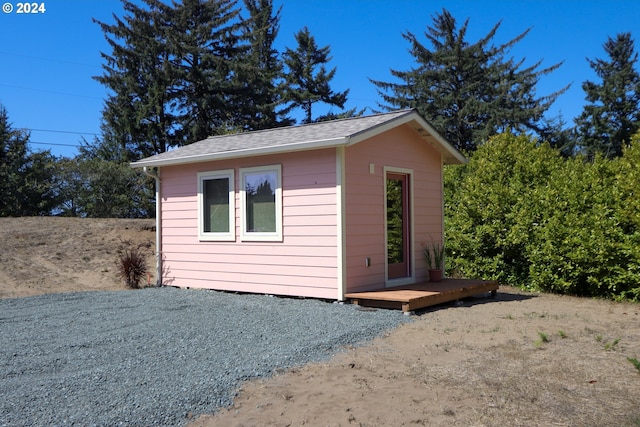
(50, 91)
(53, 143)
(61, 61)
(60, 131)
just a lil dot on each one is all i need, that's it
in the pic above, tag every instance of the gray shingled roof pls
(294, 138)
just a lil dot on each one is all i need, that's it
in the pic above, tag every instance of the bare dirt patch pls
(48, 254)
(482, 363)
(519, 360)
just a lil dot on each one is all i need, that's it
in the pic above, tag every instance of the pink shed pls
(318, 210)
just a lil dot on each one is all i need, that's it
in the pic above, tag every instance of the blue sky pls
(47, 60)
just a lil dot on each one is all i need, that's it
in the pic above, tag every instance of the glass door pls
(398, 221)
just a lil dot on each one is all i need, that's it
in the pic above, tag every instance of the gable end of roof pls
(299, 138)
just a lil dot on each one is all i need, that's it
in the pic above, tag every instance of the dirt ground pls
(49, 254)
(520, 359)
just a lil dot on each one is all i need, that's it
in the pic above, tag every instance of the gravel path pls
(158, 356)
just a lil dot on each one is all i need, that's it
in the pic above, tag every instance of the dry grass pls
(44, 255)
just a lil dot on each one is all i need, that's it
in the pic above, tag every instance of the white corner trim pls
(341, 222)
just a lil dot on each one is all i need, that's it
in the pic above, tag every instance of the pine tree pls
(612, 114)
(307, 78)
(469, 91)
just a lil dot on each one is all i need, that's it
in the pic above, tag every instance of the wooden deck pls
(420, 295)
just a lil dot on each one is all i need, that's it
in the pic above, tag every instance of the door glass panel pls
(395, 221)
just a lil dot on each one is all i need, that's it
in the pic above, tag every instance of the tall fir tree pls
(612, 113)
(469, 91)
(172, 73)
(262, 69)
(307, 78)
(138, 112)
(206, 49)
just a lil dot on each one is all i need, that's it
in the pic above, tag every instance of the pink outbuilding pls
(318, 210)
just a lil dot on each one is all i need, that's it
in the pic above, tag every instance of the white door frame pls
(412, 253)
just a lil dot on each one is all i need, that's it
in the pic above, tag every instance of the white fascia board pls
(442, 141)
(249, 152)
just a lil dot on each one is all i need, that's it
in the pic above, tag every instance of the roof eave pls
(263, 151)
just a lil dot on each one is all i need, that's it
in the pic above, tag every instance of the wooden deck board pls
(421, 295)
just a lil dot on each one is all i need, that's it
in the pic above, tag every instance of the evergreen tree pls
(469, 91)
(560, 136)
(612, 114)
(205, 45)
(26, 178)
(262, 70)
(139, 112)
(101, 184)
(307, 78)
(71, 187)
(173, 73)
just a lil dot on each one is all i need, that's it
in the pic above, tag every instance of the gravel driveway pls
(158, 356)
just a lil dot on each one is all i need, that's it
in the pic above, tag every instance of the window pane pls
(216, 205)
(260, 190)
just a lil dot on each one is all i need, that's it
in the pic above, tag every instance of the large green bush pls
(520, 213)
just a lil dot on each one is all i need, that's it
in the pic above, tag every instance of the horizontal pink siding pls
(402, 148)
(303, 264)
(319, 242)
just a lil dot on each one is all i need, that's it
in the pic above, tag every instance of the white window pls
(216, 205)
(261, 198)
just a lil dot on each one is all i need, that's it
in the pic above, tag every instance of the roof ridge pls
(343, 119)
(303, 125)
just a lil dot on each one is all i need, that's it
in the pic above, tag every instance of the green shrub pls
(490, 210)
(587, 245)
(520, 213)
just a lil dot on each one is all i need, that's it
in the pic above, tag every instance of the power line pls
(50, 91)
(48, 59)
(60, 131)
(53, 143)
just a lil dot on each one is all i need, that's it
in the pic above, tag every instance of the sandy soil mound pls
(48, 254)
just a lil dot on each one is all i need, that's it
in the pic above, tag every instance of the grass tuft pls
(635, 362)
(544, 338)
(611, 345)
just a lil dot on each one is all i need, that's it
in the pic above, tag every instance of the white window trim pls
(217, 236)
(261, 236)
